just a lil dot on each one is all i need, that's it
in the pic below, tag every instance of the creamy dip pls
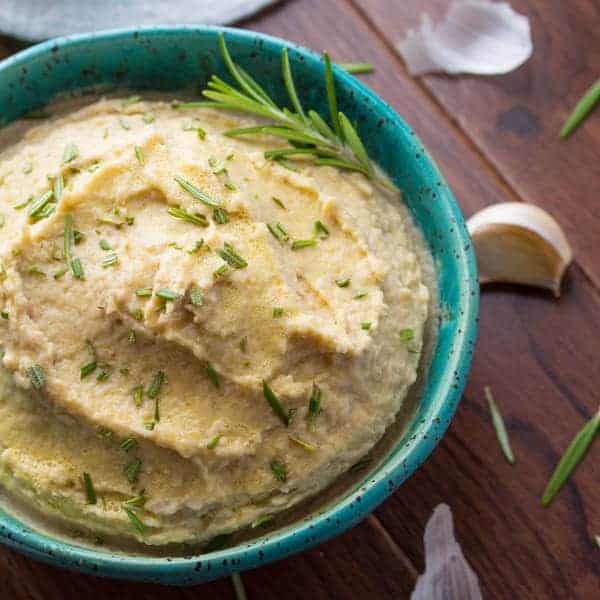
(195, 338)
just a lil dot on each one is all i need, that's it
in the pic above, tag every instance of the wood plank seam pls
(462, 135)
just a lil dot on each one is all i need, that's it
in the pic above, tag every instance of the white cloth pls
(42, 19)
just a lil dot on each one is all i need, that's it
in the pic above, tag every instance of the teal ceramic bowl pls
(169, 58)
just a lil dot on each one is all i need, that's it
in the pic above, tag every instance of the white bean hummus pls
(194, 338)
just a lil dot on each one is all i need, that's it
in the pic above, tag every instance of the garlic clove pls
(519, 243)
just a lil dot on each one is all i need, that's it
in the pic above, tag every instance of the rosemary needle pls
(90, 492)
(357, 68)
(581, 110)
(572, 457)
(275, 404)
(499, 426)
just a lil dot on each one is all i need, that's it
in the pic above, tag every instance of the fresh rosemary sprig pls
(357, 68)
(307, 132)
(499, 426)
(581, 110)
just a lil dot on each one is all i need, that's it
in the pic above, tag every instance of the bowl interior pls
(173, 58)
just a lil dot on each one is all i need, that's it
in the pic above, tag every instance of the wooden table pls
(495, 139)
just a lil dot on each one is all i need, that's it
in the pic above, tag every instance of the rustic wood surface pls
(495, 139)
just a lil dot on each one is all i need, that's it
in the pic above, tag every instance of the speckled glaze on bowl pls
(169, 58)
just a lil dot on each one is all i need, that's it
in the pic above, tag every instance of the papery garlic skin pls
(475, 36)
(520, 243)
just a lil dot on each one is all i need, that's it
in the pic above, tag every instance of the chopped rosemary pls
(132, 470)
(275, 404)
(35, 270)
(4, 314)
(143, 292)
(166, 294)
(212, 374)
(297, 244)
(196, 192)
(343, 282)
(124, 124)
(278, 312)
(220, 271)
(262, 520)
(70, 154)
(74, 263)
(230, 186)
(139, 154)
(148, 117)
(406, 335)
(138, 395)
(23, 204)
(279, 470)
(196, 218)
(156, 410)
(131, 336)
(196, 296)
(59, 272)
(58, 187)
(314, 405)
(40, 203)
(128, 444)
(90, 492)
(135, 521)
(104, 373)
(136, 502)
(104, 245)
(572, 457)
(109, 260)
(278, 231)
(499, 426)
(155, 385)
(357, 68)
(581, 110)
(131, 100)
(220, 216)
(214, 442)
(36, 376)
(360, 294)
(230, 255)
(303, 444)
(87, 369)
(138, 314)
(196, 247)
(200, 133)
(278, 202)
(321, 229)
(366, 325)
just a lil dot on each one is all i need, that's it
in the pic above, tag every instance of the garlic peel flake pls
(475, 36)
(519, 243)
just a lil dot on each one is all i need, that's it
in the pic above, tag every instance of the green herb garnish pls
(35, 270)
(196, 219)
(70, 154)
(321, 229)
(230, 186)
(357, 68)
(135, 521)
(297, 244)
(143, 292)
(262, 520)
(220, 271)
(303, 444)
(220, 216)
(131, 100)
(214, 442)
(340, 146)
(230, 255)
(212, 374)
(124, 124)
(360, 294)
(196, 247)
(138, 395)
(138, 314)
(128, 444)
(58, 187)
(581, 110)
(104, 245)
(275, 404)
(74, 263)
(343, 282)
(407, 335)
(4, 314)
(139, 154)
(132, 470)
(279, 470)
(36, 376)
(155, 385)
(78, 237)
(278, 231)
(571, 458)
(148, 117)
(109, 260)
(278, 202)
(90, 492)
(196, 296)
(314, 405)
(499, 426)
(277, 312)
(87, 369)
(366, 325)
(156, 410)
(166, 294)
(131, 336)
(196, 192)
(40, 203)
(59, 272)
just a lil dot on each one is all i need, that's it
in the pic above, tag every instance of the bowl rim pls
(340, 514)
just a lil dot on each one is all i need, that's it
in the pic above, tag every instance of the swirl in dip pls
(207, 335)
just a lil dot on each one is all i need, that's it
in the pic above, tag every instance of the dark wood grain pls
(538, 354)
(514, 120)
